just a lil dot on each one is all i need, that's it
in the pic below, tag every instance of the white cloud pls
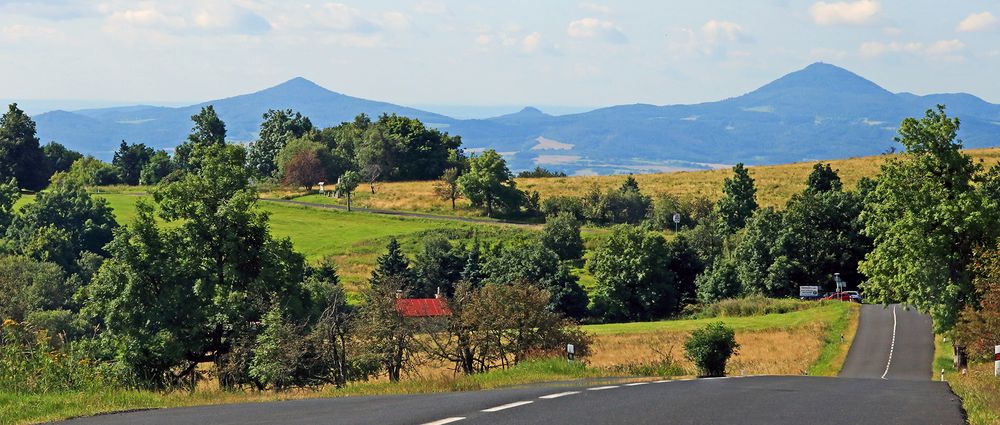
(178, 20)
(531, 43)
(714, 36)
(596, 28)
(431, 8)
(943, 49)
(845, 13)
(394, 20)
(19, 32)
(594, 7)
(977, 22)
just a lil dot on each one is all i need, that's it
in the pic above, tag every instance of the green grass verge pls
(21, 408)
(827, 312)
(978, 388)
(837, 342)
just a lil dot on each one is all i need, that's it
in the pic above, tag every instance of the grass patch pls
(823, 312)
(22, 408)
(838, 339)
(978, 388)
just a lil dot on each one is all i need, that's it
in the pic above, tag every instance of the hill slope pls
(821, 111)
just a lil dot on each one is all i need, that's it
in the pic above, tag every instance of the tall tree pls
(437, 267)
(9, 195)
(561, 234)
(823, 178)
(490, 184)
(394, 266)
(347, 184)
(279, 126)
(157, 168)
(925, 218)
(21, 156)
(208, 130)
(303, 169)
(634, 280)
(130, 159)
(447, 187)
(58, 157)
(533, 263)
(739, 200)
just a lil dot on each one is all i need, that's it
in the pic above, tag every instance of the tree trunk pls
(348, 201)
(961, 359)
(453, 202)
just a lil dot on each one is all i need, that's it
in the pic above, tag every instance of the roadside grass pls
(775, 185)
(978, 388)
(825, 312)
(31, 408)
(793, 343)
(837, 342)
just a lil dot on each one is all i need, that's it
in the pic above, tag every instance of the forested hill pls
(819, 112)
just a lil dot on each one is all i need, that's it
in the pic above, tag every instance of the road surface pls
(874, 388)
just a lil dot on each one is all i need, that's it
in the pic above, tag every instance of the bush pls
(710, 347)
(755, 305)
(563, 204)
(562, 235)
(30, 365)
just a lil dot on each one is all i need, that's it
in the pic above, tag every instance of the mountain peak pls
(818, 81)
(297, 85)
(530, 110)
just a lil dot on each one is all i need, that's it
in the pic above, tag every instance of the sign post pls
(570, 351)
(840, 283)
(321, 186)
(677, 221)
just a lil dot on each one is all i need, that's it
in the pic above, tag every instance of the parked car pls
(844, 296)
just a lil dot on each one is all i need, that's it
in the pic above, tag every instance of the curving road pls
(875, 387)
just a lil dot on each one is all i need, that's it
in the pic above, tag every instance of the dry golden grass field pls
(775, 184)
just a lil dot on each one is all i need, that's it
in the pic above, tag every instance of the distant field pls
(353, 240)
(775, 184)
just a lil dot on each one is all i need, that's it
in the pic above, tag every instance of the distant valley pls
(819, 112)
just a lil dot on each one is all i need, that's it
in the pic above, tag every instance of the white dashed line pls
(557, 395)
(636, 384)
(602, 388)
(892, 345)
(446, 421)
(507, 406)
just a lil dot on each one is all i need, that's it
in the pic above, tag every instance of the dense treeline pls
(197, 277)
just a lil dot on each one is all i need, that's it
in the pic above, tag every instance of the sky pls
(556, 53)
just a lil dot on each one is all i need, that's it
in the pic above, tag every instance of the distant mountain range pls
(819, 112)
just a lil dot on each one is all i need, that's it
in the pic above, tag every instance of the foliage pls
(925, 218)
(21, 157)
(823, 178)
(540, 172)
(279, 126)
(437, 267)
(719, 282)
(89, 171)
(58, 157)
(9, 195)
(388, 338)
(634, 280)
(561, 234)
(347, 183)
(754, 305)
(687, 265)
(61, 224)
(157, 168)
(208, 130)
(709, 348)
(447, 187)
(532, 263)
(489, 184)
(739, 200)
(563, 204)
(322, 164)
(393, 266)
(130, 160)
(28, 286)
(303, 169)
(978, 326)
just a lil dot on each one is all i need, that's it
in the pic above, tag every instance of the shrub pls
(562, 235)
(755, 305)
(710, 347)
(30, 365)
(563, 204)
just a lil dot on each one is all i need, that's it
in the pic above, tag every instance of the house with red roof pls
(422, 307)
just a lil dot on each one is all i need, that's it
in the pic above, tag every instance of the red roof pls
(422, 307)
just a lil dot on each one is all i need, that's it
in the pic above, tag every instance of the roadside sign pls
(570, 351)
(677, 218)
(809, 291)
(996, 363)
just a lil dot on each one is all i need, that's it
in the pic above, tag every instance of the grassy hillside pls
(775, 184)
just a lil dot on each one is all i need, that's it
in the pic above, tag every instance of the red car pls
(842, 296)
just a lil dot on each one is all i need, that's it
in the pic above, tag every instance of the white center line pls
(892, 345)
(602, 388)
(446, 421)
(507, 406)
(557, 395)
(636, 384)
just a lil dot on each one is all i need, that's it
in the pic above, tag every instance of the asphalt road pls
(859, 396)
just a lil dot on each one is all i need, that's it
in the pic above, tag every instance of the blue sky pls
(435, 52)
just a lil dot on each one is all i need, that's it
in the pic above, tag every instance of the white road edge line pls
(557, 395)
(663, 381)
(892, 345)
(608, 387)
(507, 406)
(636, 384)
(445, 421)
